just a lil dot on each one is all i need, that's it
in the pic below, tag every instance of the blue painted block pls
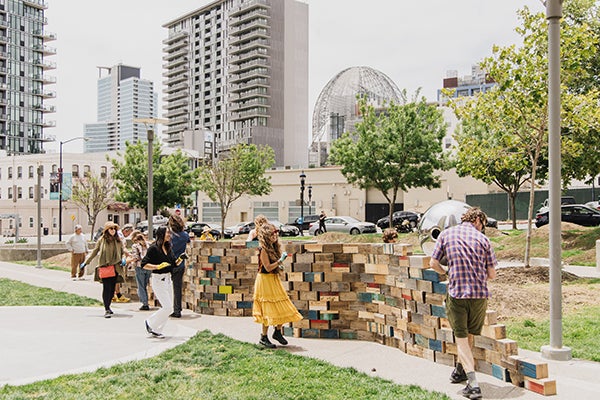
(252, 244)
(214, 259)
(440, 287)
(431, 275)
(244, 304)
(501, 373)
(312, 314)
(310, 333)
(329, 333)
(438, 311)
(219, 296)
(435, 345)
(365, 297)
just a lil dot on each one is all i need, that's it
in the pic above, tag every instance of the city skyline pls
(425, 40)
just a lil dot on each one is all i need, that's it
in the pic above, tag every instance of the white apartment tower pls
(122, 97)
(237, 72)
(23, 78)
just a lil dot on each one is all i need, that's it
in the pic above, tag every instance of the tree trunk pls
(530, 211)
(513, 208)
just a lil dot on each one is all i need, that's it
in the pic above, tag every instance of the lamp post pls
(60, 182)
(302, 181)
(309, 198)
(150, 137)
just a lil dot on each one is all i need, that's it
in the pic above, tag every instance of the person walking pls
(78, 246)
(271, 305)
(322, 217)
(160, 260)
(471, 263)
(139, 248)
(180, 240)
(109, 271)
(124, 234)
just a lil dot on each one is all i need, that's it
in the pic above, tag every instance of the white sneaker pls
(81, 278)
(73, 279)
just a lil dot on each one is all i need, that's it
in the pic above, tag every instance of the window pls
(31, 192)
(31, 171)
(103, 172)
(75, 170)
(10, 193)
(19, 172)
(9, 172)
(19, 192)
(86, 170)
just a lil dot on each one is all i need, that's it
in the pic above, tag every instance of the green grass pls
(44, 264)
(217, 367)
(581, 331)
(16, 293)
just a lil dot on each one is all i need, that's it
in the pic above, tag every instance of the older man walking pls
(78, 246)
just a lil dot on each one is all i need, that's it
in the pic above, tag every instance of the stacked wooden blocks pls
(376, 292)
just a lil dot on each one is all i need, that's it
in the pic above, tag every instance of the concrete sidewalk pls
(46, 342)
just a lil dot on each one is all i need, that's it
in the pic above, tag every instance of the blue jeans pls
(142, 277)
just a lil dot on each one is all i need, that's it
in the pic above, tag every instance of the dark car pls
(197, 227)
(398, 219)
(492, 223)
(284, 229)
(308, 219)
(574, 213)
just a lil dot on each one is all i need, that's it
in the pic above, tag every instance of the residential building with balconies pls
(237, 72)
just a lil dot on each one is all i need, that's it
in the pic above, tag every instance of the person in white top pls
(78, 246)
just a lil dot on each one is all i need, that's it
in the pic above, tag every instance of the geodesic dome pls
(338, 97)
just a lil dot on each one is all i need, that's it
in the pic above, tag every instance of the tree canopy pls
(394, 149)
(173, 178)
(240, 172)
(93, 194)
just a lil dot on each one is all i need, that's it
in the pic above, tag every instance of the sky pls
(415, 43)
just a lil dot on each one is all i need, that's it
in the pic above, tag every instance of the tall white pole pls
(555, 350)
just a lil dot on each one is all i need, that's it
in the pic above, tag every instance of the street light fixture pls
(309, 198)
(60, 182)
(302, 181)
(150, 133)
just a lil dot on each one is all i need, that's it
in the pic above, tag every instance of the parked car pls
(398, 219)
(563, 201)
(308, 219)
(593, 204)
(574, 213)
(492, 223)
(234, 229)
(343, 224)
(197, 227)
(284, 229)
(157, 220)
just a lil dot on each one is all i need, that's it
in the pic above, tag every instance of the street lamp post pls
(150, 137)
(60, 182)
(302, 181)
(309, 198)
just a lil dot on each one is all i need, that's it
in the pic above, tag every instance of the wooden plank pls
(533, 368)
(544, 386)
(496, 331)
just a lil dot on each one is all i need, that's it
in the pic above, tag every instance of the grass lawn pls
(580, 332)
(16, 293)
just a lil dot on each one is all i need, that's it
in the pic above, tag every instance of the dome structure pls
(336, 110)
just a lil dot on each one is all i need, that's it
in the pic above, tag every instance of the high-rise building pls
(23, 77)
(237, 72)
(122, 97)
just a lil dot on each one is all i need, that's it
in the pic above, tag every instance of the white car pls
(343, 224)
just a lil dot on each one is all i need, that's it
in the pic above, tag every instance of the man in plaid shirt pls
(471, 262)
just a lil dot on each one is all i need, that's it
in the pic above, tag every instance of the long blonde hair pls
(265, 238)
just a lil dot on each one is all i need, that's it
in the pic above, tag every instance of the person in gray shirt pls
(78, 246)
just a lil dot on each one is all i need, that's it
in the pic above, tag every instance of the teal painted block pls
(365, 297)
(501, 373)
(431, 275)
(219, 296)
(214, 259)
(438, 311)
(310, 333)
(440, 287)
(329, 333)
(244, 304)
(435, 345)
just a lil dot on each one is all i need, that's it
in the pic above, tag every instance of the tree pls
(173, 179)
(514, 113)
(394, 150)
(93, 194)
(241, 172)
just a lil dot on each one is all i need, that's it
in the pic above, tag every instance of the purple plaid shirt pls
(469, 254)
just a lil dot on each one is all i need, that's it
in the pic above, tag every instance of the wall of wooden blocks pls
(378, 292)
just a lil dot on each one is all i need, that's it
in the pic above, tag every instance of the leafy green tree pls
(173, 179)
(397, 149)
(92, 194)
(512, 118)
(241, 172)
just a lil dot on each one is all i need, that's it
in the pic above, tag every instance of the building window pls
(103, 172)
(86, 170)
(19, 192)
(9, 172)
(19, 172)
(10, 193)
(31, 222)
(31, 192)
(31, 171)
(75, 170)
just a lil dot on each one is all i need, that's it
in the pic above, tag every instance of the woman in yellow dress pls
(271, 306)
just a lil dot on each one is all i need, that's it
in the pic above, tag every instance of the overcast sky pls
(413, 42)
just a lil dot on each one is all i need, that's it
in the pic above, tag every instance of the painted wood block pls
(423, 308)
(302, 267)
(348, 334)
(302, 324)
(310, 333)
(500, 373)
(319, 324)
(225, 289)
(313, 276)
(440, 287)
(437, 345)
(428, 332)
(431, 275)
(329, 296)
(438, 311)
(431, 321)
(244, 304)
(496, 331)
(445, 334)
(533, 368)
(544, 386)
(329, 315)
(309, 296)
(340, 267)
(329, 334)
(403, 261)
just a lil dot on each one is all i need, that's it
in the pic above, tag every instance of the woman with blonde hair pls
(271, 306)
(258, 222)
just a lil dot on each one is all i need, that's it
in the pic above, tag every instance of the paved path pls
(46, 342)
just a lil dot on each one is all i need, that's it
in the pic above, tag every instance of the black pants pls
(108, 291)
(177, 278)
(322, 227)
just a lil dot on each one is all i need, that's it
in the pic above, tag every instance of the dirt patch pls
(523, 292)
(63, 259)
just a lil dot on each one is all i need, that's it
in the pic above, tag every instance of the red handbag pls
(107, 271)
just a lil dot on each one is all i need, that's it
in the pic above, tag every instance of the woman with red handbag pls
(109, 271)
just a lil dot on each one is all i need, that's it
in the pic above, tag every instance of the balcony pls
(255, 73)
(44, 78)
(46, 65)
(48, 94)
(264, 43)
(258, 13)
(177, 95)
(176, 79)
(177, 112)
(174, 88)
(46, 36)
(175, 63)
(249, 6)
(248, 26)
(173, 104)
(238, 69)
(181, 69)
(250, 55)
(176, 54)
(246, 105)
(259, 33)
(40, 4)
(45, 50)
(3, 86)
(45, 123)
(176, 46)
(3, 23)
(3, 38)
(3, 54)
(252, 113)
(175, 37)
(44, 108)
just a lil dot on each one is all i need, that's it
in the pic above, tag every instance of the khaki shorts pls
(466, 316)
